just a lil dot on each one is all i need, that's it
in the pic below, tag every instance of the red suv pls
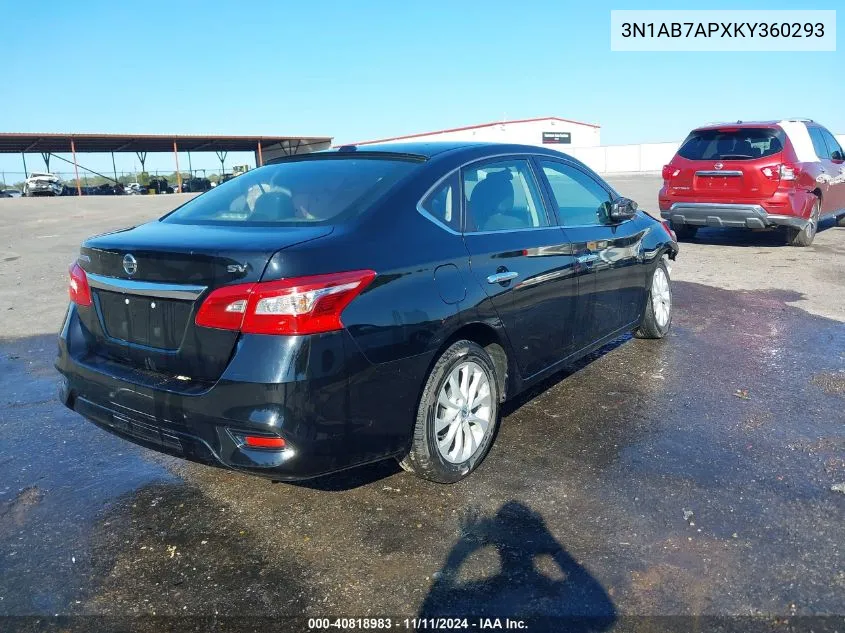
(757, 175)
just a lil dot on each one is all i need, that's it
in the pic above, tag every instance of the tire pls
(470, 439)
(657, 319)
(685, 231)
(805, 236)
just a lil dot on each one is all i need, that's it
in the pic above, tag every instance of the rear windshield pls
(305, 192)
(741, 144)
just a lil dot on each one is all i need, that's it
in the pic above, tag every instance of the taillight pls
(669, 172)
(784, 171)
(788, 172)
(302, 305)
(78, 288)
(668, 228)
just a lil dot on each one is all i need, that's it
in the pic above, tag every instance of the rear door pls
(730, 163)
(522, 259)
(835, 169)
(608, 254)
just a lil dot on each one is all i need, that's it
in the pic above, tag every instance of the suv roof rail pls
(800, 120)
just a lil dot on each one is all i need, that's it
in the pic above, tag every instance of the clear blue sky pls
(369, 69)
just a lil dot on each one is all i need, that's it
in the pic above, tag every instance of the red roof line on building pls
(472, 127)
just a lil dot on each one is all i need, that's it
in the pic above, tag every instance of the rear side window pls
(819, 145)
(736, 144)
(304, 192)
(442, 203)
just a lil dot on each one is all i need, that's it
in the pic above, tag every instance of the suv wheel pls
(805, 236)
(457, 415)
(685, 231)
(658, 311)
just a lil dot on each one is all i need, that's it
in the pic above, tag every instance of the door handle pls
(503, 277)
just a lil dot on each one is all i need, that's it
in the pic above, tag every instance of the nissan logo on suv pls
(130, 264)
(718, 166)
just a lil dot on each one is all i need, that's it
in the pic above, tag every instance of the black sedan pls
(343, 307)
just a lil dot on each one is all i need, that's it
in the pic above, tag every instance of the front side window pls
(580, 200)
(818, 143)
(294, 193)
(732, 144)
(832, 144)
(502, 196)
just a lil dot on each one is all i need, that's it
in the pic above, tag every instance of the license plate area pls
(143, 320)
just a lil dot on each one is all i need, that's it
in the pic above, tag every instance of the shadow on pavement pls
(536, 578)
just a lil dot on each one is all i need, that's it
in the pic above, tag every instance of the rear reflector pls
(260, 441)
(78, 288)
(301, 305)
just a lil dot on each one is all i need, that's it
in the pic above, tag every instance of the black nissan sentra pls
(343, 307)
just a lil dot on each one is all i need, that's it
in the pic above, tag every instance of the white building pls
(552, 132)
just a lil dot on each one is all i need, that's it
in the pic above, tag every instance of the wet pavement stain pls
(666, 492)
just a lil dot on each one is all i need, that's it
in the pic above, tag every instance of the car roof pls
(435, 148)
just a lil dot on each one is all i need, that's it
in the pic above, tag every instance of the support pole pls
(260, 157)
(178, 175)
(25, 172)
(114, 168)
(190, 167)
(46, 157)
(222, 156)
(75, 167)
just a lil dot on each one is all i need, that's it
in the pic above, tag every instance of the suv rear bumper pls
(721, 215)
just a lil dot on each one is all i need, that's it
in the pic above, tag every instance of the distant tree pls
(144, 179)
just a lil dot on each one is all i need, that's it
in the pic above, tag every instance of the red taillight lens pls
(302, 305)
(261, 441)
(788, 172)
(670, 172)
(668, 228)
(78, 288)
(784, 171)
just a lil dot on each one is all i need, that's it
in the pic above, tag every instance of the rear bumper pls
(721, 215)
(293, 387)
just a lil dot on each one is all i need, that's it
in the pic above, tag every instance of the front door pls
(612, 292)
(522, 259)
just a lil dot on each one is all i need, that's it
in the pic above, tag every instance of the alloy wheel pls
(463, 412)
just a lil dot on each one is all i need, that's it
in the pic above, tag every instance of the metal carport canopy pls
(13, 143)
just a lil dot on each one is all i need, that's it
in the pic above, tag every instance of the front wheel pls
(456, 417)
(658, 311)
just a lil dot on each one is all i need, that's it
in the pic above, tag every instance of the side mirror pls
(837, 156)
(622, 209)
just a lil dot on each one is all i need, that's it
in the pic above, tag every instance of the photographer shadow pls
(537, 580)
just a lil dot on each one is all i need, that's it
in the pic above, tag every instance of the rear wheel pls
(456, 417)
(658, 311)
(685, 231)
(805, 236)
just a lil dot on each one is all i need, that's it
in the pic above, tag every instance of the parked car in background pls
(342, 307)
(774, 174)
(134, 189)
(12, 193)
(42, 184)
(159, 185)
(193, 185)
(3, 194)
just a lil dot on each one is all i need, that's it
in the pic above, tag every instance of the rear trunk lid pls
(726, 164)
(148, 282)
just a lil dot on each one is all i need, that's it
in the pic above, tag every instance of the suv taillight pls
(78, 288)
(784, 171)
(301, 305)
(669, 171)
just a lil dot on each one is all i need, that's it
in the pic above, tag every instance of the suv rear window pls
(291, 193)
(738, 144)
